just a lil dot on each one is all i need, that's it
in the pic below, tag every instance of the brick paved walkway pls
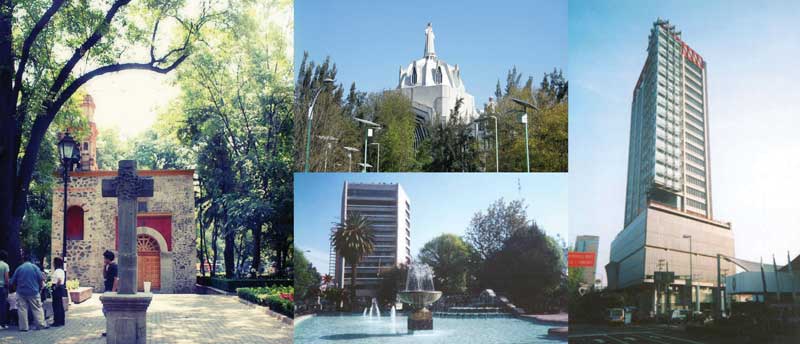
(175, 318)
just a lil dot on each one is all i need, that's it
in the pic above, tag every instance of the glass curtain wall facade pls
(388, 210)
(668, 153)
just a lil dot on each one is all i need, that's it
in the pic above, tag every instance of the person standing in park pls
(110, 275)
(28, 280)
(59, 291)
(3, 290)
(110, 271)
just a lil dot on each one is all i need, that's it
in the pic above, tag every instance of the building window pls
(437, 75)
(696, 204)
(695, 192)
(142, 207)
(86, 146)
(74, 223)
(414, 75)
(695, 181)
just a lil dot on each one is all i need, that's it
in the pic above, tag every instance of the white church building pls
(434, 86)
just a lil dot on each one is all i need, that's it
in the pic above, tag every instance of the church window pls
(437, 75)
(414, 76)
(74, 223)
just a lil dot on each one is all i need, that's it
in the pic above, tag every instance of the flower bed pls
(278, 299)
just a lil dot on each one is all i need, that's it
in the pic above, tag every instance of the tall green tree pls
(449, 256)
(530, 287)
(353, 239)
(488, 232)
(332, 118)
(234, 113)
(306, 277)
(451, 146)
(396, 138)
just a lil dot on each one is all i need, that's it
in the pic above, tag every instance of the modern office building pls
(588, 243)
(388, 209)
(668, 214)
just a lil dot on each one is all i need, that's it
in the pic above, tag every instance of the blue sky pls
(370, 40)
(440, 203)
(751, 52)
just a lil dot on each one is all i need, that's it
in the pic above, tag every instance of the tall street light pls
(369, 126)
(524, 119)
(691, 276)
(325, 82)
(379, 154)
(496, 149)
(69, 153)
(328, 145)
(350, 151)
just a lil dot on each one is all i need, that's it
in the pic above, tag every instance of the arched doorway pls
(149, 267)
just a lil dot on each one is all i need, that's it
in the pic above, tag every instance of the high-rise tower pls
(388, 210)
(668, 223)
(668, 160)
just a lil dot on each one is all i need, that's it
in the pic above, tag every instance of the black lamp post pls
(70, 155)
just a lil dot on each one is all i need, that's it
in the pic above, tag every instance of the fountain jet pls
(419, 293)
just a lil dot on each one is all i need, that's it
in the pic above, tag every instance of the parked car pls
(616, 316)
(679, 316)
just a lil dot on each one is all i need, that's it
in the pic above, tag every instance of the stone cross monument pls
(126, 310)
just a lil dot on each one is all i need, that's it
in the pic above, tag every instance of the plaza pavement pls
(171, 318)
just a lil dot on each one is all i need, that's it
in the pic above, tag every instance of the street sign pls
(664, 277)
(581, 259)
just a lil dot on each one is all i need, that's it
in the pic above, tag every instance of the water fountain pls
(419, 293)
(374, 309)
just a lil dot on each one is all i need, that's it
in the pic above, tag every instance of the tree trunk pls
(256, 251)
(9, 139)
(230, 246)
(353, 268)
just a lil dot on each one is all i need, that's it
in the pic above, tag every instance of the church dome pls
(430, 70)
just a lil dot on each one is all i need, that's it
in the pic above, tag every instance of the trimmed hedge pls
(232, 284)
(277, 299)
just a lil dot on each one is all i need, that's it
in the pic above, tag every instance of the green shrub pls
(278, 299)
(232, 284)
(204, 280)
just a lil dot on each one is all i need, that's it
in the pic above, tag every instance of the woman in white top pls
(59, 279)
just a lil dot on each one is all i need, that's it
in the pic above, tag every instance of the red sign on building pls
(581, 259)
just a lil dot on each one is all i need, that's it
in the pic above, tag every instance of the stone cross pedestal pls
(126, 310)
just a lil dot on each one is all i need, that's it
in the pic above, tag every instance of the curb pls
(302, 318)
(284, 319)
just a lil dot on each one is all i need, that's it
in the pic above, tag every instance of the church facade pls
(434, 86)
(165, 224)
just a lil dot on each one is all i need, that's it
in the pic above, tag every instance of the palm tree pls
(353, 239)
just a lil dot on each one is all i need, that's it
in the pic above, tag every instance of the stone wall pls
(173, 194)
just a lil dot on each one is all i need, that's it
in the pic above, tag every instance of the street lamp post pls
(350, 151)
(69, 152)
(368, 126)
(524, 119)
(328, 145)
(691, 276)
(496, 148)
(379, 155)
(311, 117)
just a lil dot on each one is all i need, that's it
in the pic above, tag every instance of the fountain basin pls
(419, 298)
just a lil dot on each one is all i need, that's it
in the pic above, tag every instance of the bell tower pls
(88, 144)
